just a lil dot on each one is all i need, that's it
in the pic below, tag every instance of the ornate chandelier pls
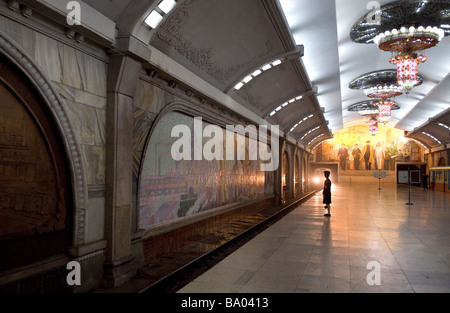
(405, 28)
(369, 107)
(407, 68)
(384, 110)
(381, 85)
(405, 42)
(373, 125)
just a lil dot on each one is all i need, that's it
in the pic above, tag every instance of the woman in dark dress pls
(327, 192)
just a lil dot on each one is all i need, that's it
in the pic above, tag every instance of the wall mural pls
(388, 147)
(170, 190)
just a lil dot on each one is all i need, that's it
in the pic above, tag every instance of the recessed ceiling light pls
(153, 19)
(277, 62)
(167, 5)
(239, 86)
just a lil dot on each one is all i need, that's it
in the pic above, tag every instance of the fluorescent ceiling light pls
(247, 79)
(256, 73)
(239, 86)
(153, 19)
(277, 62)
(167, 5)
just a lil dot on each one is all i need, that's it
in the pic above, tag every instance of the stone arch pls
(53, 102)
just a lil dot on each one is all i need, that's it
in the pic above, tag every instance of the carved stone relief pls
(170, 33)
(30, 201)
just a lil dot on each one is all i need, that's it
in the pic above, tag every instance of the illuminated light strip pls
(304, 119)
(266, 67)
(318, 144)
(315, 139)
(432, 137)
(155, 18)
(404, 32)
(417, 141)
(443, 125)
(314, 129)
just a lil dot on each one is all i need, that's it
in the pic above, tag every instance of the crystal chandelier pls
(404, 43)
(407, 68)
(381, 86)
(405, 28)
(384, 110)
(373, 125)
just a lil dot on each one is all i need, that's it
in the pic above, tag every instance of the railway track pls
(177, 279)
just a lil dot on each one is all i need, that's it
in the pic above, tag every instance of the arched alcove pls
(175, 185)
(41, 88)
(36, 202)
(285, 175)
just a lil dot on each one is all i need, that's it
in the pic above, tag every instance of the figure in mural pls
(392, 152)
(386, 158)
(400, 157)
(350, 160)
(343, 154)
(407, 155)
(327, 192)
(331, 153)
(367, 154)
(379, 156)
(356, 152)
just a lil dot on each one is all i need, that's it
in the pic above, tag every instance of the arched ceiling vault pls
(279, 62)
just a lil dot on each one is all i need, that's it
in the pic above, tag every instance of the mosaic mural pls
(388, 146)
(170, 190)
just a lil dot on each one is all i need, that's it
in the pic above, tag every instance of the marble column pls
(278, 185)
(123, 76)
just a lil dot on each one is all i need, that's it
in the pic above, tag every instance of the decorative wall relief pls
(205, 52)
(30, 201)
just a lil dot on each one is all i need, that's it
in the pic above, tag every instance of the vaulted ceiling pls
(224, 48)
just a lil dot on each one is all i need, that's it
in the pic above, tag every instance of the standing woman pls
(327, 192)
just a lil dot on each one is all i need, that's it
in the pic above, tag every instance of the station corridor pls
(308, 252)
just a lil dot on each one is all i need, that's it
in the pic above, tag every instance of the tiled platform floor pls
(307, 252)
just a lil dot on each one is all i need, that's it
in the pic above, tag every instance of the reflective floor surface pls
(373, 242)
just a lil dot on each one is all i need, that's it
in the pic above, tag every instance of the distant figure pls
(425, 180)
(327, 192)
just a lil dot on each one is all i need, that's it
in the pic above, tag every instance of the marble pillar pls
(123, 76)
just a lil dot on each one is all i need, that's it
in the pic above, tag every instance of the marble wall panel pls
(47, 56)
(94, 162)
(93, 73)
(149, 97)
(61, 62)
(96, 218)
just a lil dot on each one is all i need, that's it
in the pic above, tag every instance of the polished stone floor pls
(371, 237)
